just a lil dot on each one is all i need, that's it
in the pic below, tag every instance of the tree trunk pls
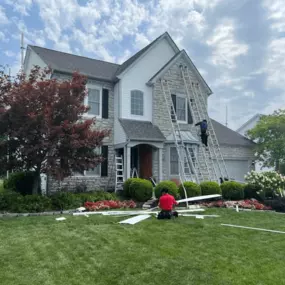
(37, 183)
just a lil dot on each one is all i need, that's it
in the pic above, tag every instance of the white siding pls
(248, 127)
(33, 60)
(138, 76)
(119, 134)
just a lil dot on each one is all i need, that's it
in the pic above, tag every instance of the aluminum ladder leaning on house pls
(182, 150)
(119, 173)
(200, 114)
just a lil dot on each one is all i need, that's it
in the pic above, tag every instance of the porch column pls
(127, 162)
(160, 164)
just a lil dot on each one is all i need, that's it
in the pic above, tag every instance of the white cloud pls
(275, 64)
(226, 48)
(3, 18)
(141, 41)
(3, 37)
(249, 94)
(123, 58)
(276, 14)
(9, 53)
(20, 6)
(63, 44)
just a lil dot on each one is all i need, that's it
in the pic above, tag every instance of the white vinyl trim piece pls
(199, 198)
(193, 215)
(250, 228)
(135, 220)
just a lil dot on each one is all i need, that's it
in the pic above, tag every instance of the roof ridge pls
(75, 55)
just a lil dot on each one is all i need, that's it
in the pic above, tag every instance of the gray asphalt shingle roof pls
(141, 130)
(229, 137)
(66, 62)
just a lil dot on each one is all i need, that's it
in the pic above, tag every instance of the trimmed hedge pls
(14, 202)
(126, 187)
(21, 182)
(140, 190)
(192, 189)
(210, 187)
(250, 191)
(170, 185)
(232, 190)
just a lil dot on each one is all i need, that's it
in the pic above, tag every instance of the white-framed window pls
(174, 161)
(137, 104)
(192, 150)
(181, 108)
(95, 172)
(94, 101)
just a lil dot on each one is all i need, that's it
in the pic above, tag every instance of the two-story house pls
(129, 100)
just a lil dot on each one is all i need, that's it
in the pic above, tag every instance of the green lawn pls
(97, 250)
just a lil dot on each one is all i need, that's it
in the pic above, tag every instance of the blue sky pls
(238, 46)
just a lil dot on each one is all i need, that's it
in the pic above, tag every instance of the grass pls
(97, 250)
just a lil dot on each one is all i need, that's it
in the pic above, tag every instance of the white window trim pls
(135, 115)
(186, 107)
(170, 173)
(100, 88)
(94, 175)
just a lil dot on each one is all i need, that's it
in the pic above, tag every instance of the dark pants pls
(167, 215)
(204, 138)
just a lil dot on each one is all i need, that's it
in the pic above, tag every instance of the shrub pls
(21, 182)
(250, 191)
(192, 189)
(126, 187)
(11, 202)
(277, 204)
(210, 187)
(96, 196)
(37, 203)
(232, 190)
(64, 200)
(141, 189)
(170, 185)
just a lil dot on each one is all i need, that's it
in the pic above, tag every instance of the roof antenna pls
(226, 115)
(22, 51)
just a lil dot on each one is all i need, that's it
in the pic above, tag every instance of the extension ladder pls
(182, 151)
(119, 173)
(199, 113)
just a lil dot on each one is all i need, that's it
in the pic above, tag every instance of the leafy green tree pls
(269, 135)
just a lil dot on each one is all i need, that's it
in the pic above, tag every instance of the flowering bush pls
(245, 204)
(110, 204)
(271, 183)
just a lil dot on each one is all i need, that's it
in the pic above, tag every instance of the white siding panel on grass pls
(139, 74)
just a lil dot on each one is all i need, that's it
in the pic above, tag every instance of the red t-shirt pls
(166, 202)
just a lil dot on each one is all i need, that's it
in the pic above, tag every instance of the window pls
(174, 165)
(181, 108)
(137, 102)
(94, 101)
(192, 152)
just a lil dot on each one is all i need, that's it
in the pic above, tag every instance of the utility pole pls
(22, 51)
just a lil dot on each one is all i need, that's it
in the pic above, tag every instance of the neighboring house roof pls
(227, 136)
(187, 137)
(141, 130)
(255, 117)
(68, 63)
(171, 62)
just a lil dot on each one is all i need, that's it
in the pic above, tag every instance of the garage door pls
(237, 169)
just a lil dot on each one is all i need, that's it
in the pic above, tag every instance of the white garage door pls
(237, 169)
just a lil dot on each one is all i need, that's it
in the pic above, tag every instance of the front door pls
(145, 153)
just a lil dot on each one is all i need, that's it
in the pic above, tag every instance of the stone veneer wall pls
(93, 183)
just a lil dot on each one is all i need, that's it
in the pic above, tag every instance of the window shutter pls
(104, 164)
(173, 97)
(105, 104)
(190, 119)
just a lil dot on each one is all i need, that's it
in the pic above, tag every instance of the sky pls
(238, 46)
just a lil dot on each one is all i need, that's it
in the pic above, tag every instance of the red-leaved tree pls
(42, 126)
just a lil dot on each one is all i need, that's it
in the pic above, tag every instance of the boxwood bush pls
(140, 189)
(192, 189)
(170, 185)
(210, 187)
(232, 190)
(250, 191)
(21, 182)
(126, 187)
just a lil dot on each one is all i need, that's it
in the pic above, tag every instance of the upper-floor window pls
(137, 102)
(94, 101)
(182, 109)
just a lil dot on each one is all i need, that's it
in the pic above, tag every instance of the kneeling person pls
(166, 203)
